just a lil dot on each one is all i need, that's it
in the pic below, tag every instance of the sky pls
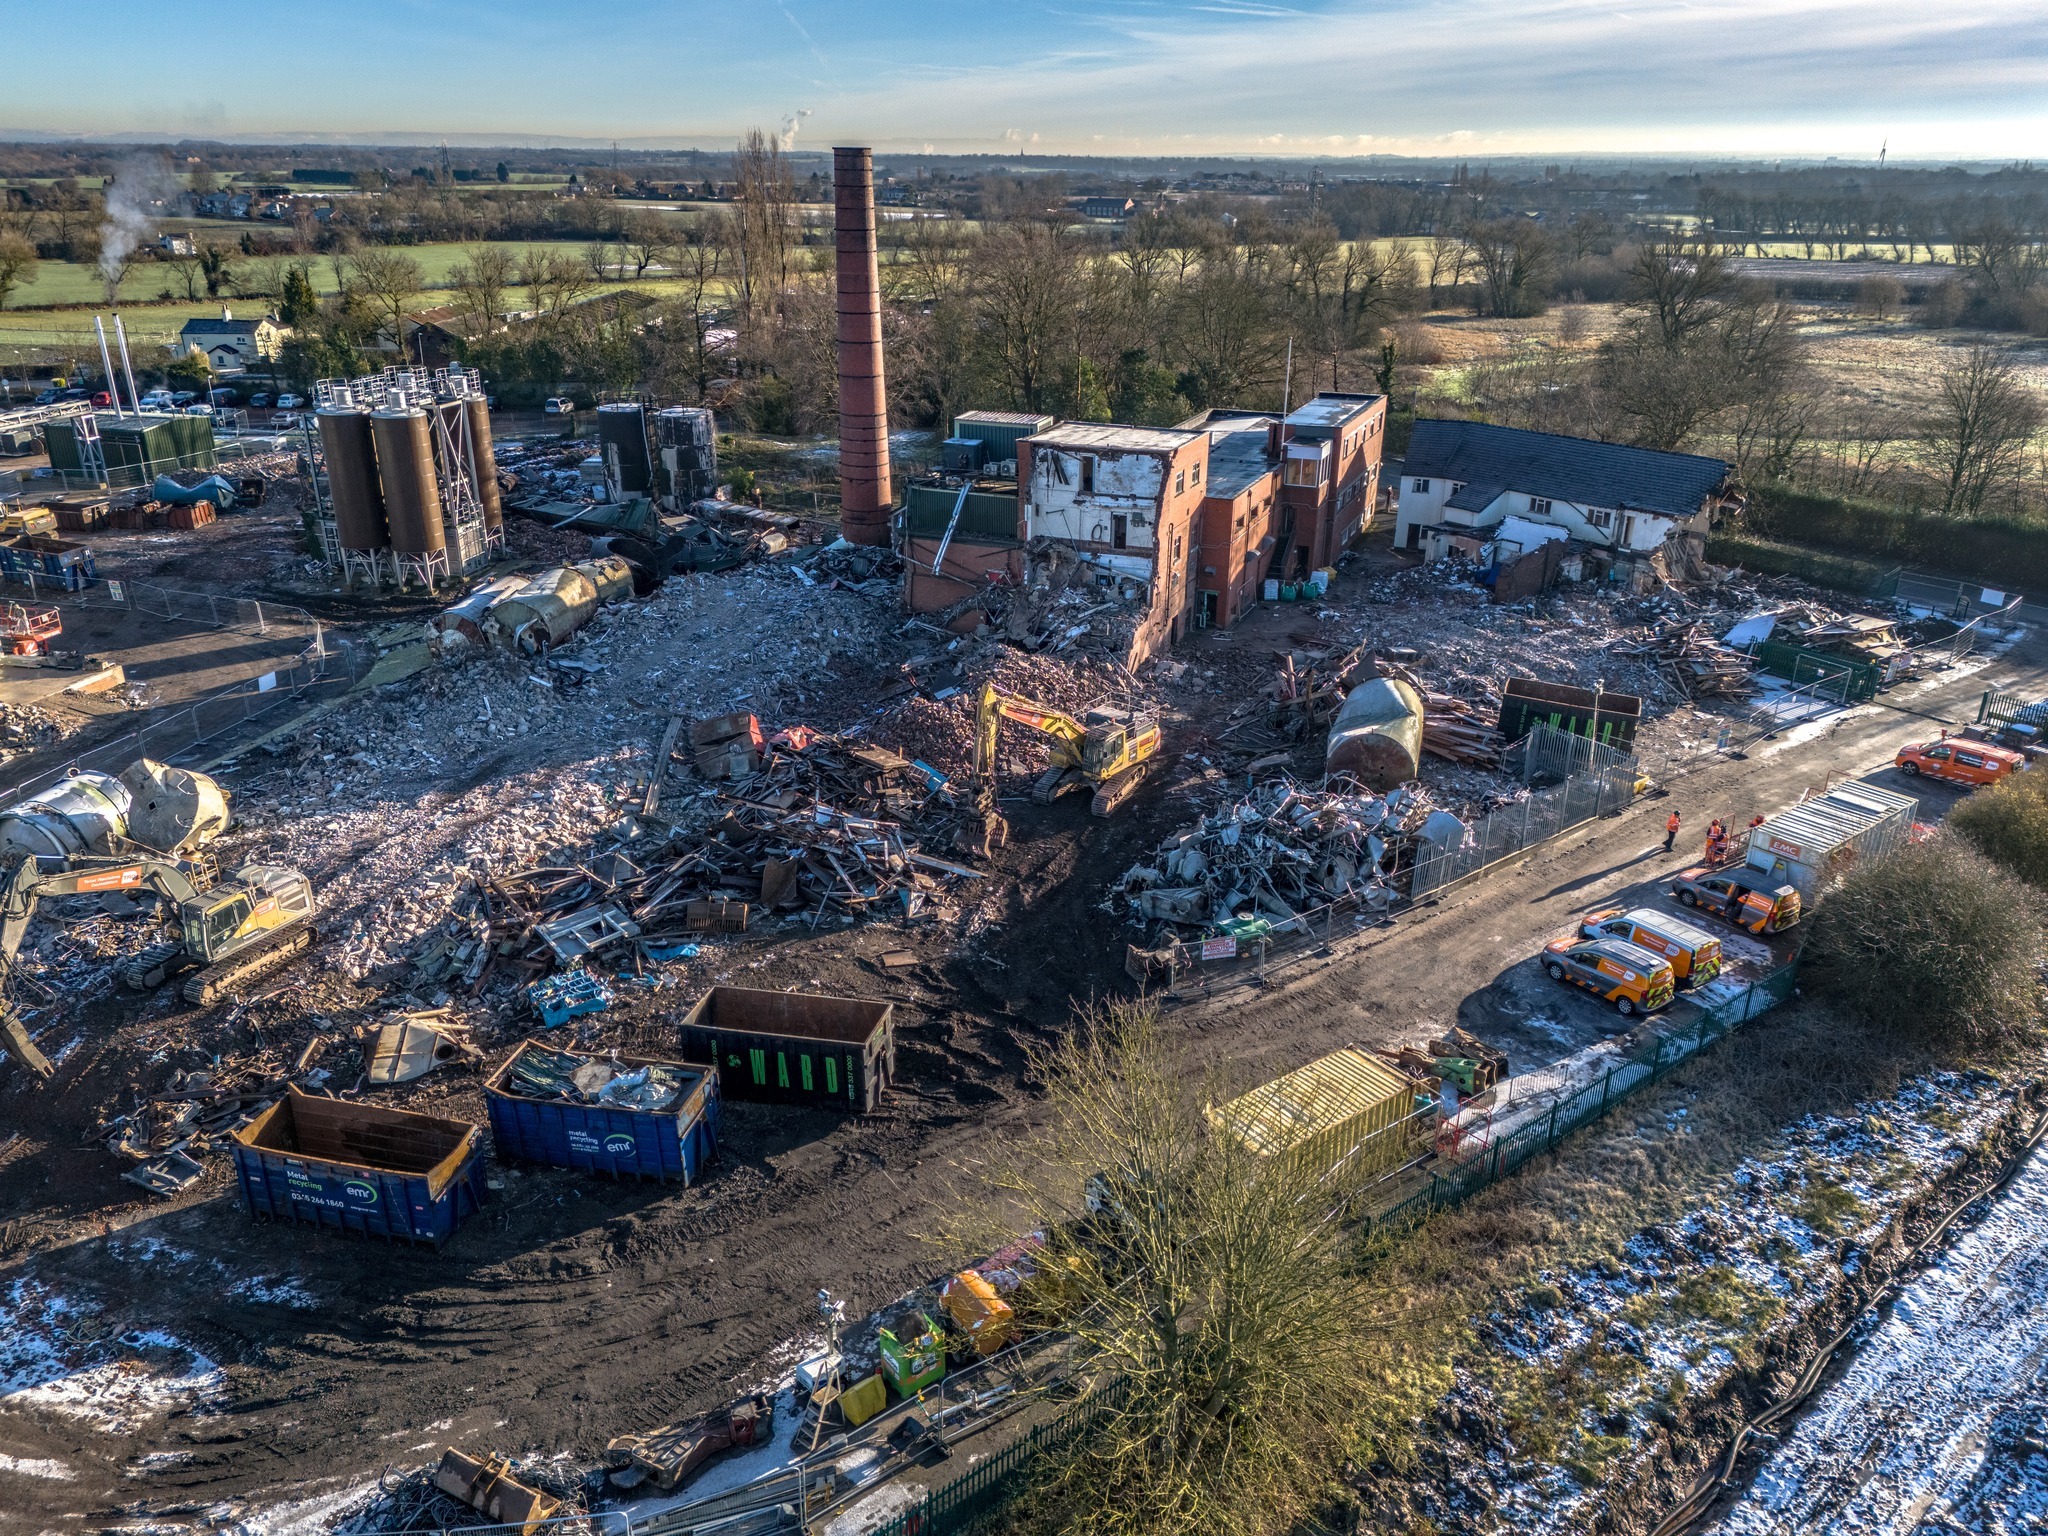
(1930, 79)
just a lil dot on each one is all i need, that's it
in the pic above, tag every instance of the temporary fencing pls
(1412, 1193)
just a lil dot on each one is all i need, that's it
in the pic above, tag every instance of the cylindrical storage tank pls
(412, 495)
(612, 576)
(352, 486)
(622, 440)
(86, 813)
(173, 810)
(1377, 735)
(546, 611)
(483, 462)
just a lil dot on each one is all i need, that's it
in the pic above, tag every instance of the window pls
(1198, 474)
(1180, 483)
(1600, 517)
(1119, 531)
(1539, 506)
(1087, 475)
(1422, 485)
(1304, 471)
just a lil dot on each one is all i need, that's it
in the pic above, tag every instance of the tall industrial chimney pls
(864, 494)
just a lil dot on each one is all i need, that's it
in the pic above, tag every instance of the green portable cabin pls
(136, 449)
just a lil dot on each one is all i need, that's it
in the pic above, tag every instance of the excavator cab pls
(259, 900)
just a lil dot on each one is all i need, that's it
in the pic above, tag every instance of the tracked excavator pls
(227, 932)
(1106, 750)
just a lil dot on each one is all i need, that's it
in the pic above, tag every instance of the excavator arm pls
(26, 886)
(1067, 733)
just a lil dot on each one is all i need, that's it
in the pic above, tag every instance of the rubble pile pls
(863, 567)
(1283, 849)
(1311, 687)
(1693, 661)
(939, 729)
(395, 803)
(26, 727)
(413, 1501)
(825, 825)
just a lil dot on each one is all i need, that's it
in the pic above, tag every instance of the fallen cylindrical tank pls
(1377, 735)
(457, 628)
(173, 810)
(86, 813)
(555, 604)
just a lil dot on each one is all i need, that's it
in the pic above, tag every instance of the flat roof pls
(1326, 412)
(1004, 418)
(1237, 456)
(1816, 827)
(1090, 434)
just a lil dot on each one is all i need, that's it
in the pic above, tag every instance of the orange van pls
(1694, 956)
(1626, 975)
(1956, 761)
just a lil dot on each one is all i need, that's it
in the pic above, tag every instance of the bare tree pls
(1984, 417)
(1213, 1285)
(481, 284)
(1679, 286)
(646, 240)
(388, 281)
(1513, 258)
(763, 226)
(1027, 287)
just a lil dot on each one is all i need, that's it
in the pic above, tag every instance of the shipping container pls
(999, 431)
(793, 1047)
(360, 1167)
(1338, 1115)
(1821, 838)
(57, 561)
(673, 1143)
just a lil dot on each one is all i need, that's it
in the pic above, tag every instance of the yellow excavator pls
(1105, 750)
(228, 932)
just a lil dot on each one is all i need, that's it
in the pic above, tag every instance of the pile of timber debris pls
(801, 822)
(1688, 657)
(1281, 850)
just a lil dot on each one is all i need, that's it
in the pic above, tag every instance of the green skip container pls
(793, 1047)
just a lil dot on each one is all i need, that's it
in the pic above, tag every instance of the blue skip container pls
(672, 1143)
(360, 1168)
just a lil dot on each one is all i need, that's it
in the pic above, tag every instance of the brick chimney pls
(865, 498)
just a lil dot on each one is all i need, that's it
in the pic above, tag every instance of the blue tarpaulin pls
(212, 488)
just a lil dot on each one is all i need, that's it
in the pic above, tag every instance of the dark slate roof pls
(1574, 469)
(219, 328)
(1477, 496)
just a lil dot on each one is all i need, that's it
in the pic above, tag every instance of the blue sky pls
(1937, 78)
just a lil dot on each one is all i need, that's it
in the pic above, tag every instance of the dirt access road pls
(572, 1311)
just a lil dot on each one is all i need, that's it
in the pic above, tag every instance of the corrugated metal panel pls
(1815, 840)
(1290, 1112)
(1001, 430)
(927, 509)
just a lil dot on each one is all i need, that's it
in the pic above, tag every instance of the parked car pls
(289, 402)
(2013, 735)
(1693, 954)
(1971, 764)
(74, 394)
(222, 396)
(559, 405)
(198, 408)
(182, 397)
(158, 400)
(1742, 896)
(1626, 975)
(102, 400)
(285, 419)
(47, 397)
(260, 400)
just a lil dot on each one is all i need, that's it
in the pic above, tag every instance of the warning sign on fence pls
(1219, 949)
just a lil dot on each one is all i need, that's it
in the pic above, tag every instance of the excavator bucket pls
(15, 1037)
(173, 810)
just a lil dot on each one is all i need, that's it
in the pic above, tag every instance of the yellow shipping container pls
(1337, 1111)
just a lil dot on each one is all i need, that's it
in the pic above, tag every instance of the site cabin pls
(1626, 975)
(1972, 764)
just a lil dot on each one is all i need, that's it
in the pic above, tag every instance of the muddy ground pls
(576, 1309)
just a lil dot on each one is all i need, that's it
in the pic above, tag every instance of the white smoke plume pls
(790, 124)
(142, 190)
